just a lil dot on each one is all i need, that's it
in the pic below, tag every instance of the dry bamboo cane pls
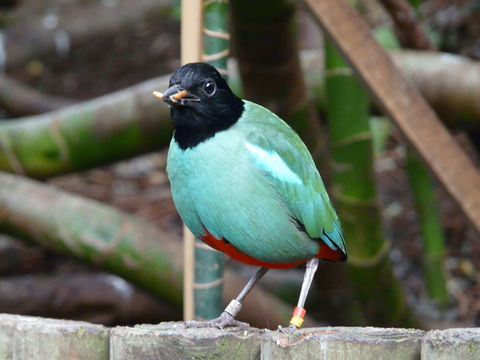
(191, 51)
(209, 263)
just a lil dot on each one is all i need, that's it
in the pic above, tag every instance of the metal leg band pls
(233, 307)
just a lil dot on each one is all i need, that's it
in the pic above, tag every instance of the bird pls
(244, 183)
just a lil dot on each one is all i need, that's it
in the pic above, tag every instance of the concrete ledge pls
(449, 344)
(30, 338)
(163, 342)
(172, 341)
(33, 338)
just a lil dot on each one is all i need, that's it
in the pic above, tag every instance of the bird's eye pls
(209, 87)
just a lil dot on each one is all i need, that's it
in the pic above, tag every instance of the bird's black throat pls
(202, 104)
(195, 124)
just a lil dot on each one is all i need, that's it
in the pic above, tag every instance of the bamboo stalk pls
(426, 204)
(92, 133)
(354, 190)
(191, 50)
(209, 263)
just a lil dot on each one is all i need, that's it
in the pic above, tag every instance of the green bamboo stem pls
(371, 272)
(85, 135)
(426, 204)
(380, 128)
(209, 263)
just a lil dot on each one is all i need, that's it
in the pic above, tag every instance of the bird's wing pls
(281, 155)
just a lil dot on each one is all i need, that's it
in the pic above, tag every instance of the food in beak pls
(174, 98)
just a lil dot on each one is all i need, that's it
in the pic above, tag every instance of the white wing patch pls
(272, 163)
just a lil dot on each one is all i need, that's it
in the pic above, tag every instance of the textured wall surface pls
(28, 338)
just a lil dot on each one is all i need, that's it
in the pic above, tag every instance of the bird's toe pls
(224, 320)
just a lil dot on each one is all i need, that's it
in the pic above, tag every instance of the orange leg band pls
(298, 316)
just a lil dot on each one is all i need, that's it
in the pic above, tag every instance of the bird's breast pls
(217, 186)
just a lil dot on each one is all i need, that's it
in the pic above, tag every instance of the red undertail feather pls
(224, 246)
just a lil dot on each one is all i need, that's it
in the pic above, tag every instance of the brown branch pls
(32, 37)
(409, 31)
(16, 257)
(450, 83)
(20, 100)
(99, 298)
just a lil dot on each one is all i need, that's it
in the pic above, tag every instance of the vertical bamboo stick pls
(426, 203)
(209, 263)
(191, 50)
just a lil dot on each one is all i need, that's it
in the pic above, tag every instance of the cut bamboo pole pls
(191, 29)
(209, 263)
(403, 103)
(191, 51)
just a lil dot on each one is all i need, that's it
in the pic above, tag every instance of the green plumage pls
(251, 184)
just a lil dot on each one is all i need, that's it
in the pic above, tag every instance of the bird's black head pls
(201, 104)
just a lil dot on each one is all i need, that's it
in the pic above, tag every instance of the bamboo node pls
(10, 155)
(339, 72)
(210, 2)
(350, 200)
(209, 285)
(216, 34)
(363, 136)
(216, 56)
(62, 144)
(374, 260)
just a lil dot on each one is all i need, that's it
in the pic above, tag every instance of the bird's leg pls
(299, 312)
(227, 318)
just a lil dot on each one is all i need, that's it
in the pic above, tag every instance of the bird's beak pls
(175, 95)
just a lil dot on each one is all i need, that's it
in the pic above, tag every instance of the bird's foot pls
(225, 319)
(290, 327)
